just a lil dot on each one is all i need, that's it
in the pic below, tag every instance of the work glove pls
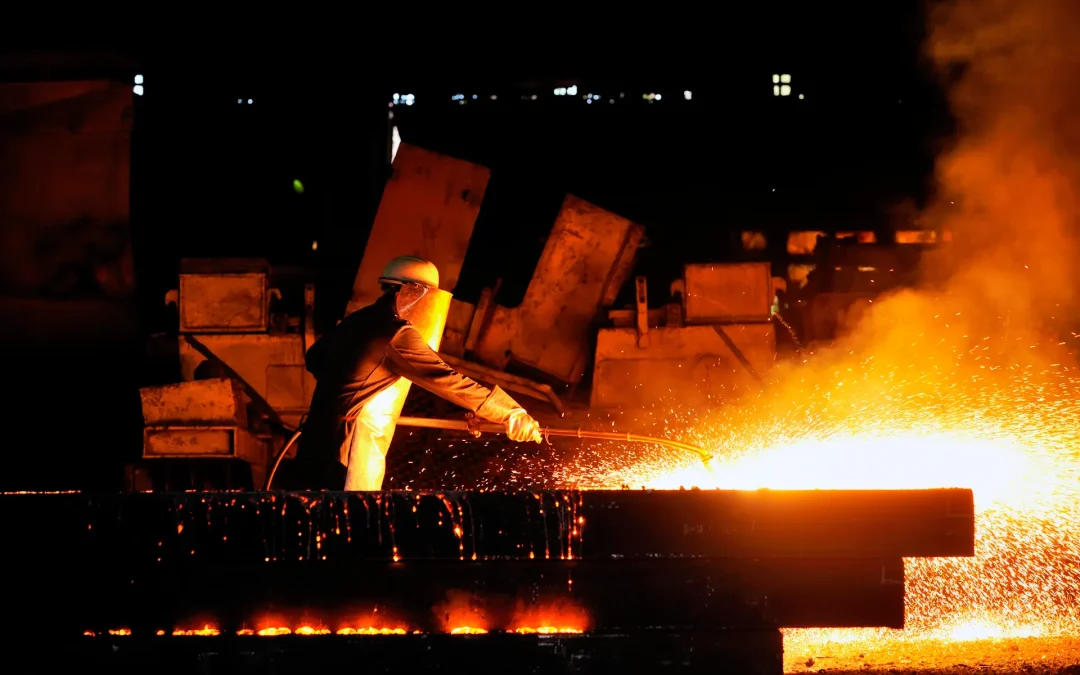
(521, 427)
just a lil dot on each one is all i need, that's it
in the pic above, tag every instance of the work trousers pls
(367, 439)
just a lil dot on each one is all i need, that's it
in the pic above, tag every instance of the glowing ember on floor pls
(467, 630)
(205, 630)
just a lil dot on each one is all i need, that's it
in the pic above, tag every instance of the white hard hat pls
(408, 269)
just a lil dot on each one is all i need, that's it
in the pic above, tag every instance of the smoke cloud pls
(1007, 187)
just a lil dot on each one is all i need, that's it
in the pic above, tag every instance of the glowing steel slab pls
(623, 560)
(236, 527)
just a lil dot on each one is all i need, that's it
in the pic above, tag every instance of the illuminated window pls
(863, 236)
(916, 237)
(138, 88)
(781, 85)
(688, 95)
(560, 91)
(754, 241)
(571, 91)
(803, 242)
(406, 99)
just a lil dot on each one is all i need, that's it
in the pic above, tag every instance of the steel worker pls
(345, 440)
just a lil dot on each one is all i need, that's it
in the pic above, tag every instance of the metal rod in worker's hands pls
(483, 427)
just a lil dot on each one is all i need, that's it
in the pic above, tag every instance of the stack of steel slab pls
(701, 580)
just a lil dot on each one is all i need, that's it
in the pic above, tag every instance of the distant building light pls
(409, 99)
(138, 79)
(571, 90)
(785, 79)
(239, 100)
(297, 186)
(801, 97)
(688, 95)
(560, 91)
(457, 97)
(494, 97)
(250, 101)
(474, 97)
(658, 97)
(776, 79)
(776, 90)
(533, 97)
(315, 246)
(138, 89)
(785, 90)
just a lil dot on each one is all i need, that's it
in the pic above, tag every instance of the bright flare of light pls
(924, 403)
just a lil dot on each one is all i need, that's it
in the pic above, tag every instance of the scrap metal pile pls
(549, 581)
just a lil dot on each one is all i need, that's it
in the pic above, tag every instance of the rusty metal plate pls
(212, 402)
(270, 363)
(588, 257)
(188, 442)
(223, 303)
(208, 441)
(728, 293)
(694, 361)
(428, 209)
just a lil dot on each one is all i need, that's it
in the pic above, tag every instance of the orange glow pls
(206, 630)
(274, 632)
(120, 631)
(372, 631)
(467, 630)
(461, 612)
(309, 630)
(560, 616)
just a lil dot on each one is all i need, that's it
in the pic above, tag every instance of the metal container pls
(728, 293)
(201, 403)
(223, 296)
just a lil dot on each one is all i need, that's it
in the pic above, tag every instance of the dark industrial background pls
(213, 175)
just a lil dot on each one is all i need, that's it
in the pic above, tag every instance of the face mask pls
(408, 297)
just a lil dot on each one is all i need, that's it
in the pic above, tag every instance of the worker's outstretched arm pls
(410, 357)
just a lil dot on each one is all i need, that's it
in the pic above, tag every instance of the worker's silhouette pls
(344, 442)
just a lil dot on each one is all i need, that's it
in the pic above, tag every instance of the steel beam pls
(553, 525)
(716, 653)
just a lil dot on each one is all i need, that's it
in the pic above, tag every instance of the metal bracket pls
(642, 312)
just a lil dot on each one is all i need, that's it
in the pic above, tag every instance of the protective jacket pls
(366, 353)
